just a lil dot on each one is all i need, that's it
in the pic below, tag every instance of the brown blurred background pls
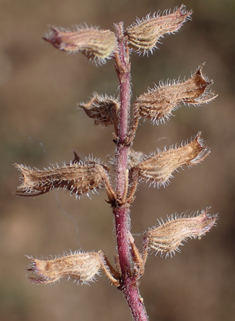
(39, 89)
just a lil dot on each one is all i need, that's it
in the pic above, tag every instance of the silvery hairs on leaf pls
(81, 267)
(158, 103)
(157, 169)
(97, 45)
(77, 177)
(167, 237)
(143, 35)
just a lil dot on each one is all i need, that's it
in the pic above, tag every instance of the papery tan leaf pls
(95, 44)
(167, 237)
(158, 103)
(77, 177)
(145, 34)
(158, 168)
(81, 267)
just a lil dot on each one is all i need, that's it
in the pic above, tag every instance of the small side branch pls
(109, 270)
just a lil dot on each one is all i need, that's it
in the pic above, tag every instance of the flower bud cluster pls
(98, 45)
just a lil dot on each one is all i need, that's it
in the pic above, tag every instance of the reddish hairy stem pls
(121, 211)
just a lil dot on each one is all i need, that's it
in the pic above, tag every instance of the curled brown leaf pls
(103, 109)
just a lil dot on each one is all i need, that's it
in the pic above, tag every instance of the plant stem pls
(121, 210)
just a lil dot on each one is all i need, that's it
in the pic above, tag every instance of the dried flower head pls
(77, 177)
(103, 109)
(81, 267)
(95, 44)
(158, 168)
(145, 34)
(167, 237)
(158, 103)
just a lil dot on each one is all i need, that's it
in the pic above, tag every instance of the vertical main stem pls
(121, 210)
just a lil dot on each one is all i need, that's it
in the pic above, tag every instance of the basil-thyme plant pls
(129, 167)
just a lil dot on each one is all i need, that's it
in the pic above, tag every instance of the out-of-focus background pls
(39, 90)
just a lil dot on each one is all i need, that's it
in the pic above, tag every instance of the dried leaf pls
(81, 267)
(167, 237)
(145, 34)
(158, 168)
(77, 177)
(95, 44)
(158, 103)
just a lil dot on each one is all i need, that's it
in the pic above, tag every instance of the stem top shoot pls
(82, 176)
